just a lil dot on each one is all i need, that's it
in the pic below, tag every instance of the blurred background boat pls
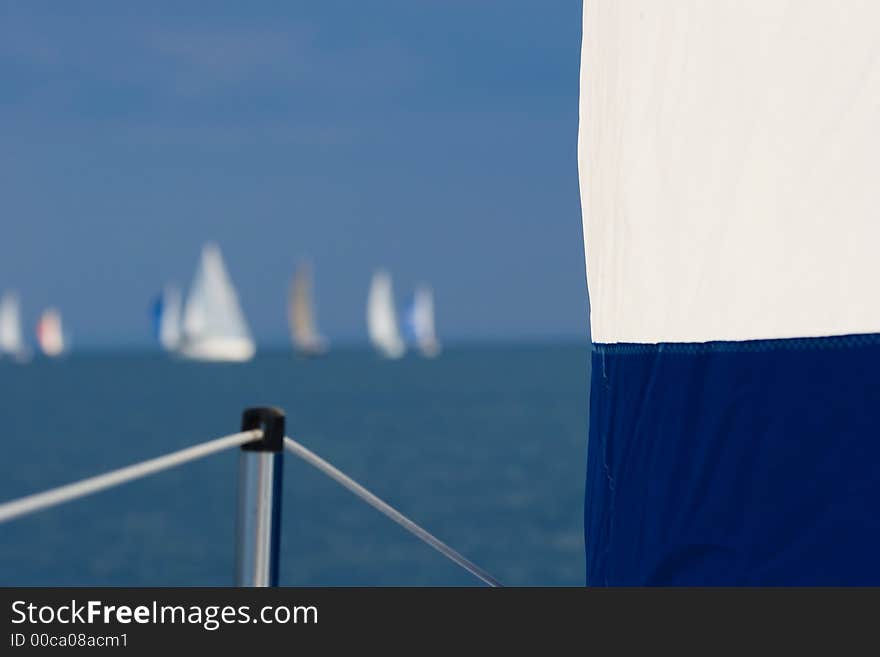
(214, 327)
(419, 322)
(166, 318)
(50, 333)
(301, 317)
(11, 340)
(382, 317)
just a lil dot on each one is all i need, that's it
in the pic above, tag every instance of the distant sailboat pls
(166, 318)
(50, 334)
(214, 327)
(382, 317)
(11, 340)
(420, 322)
(301, 315)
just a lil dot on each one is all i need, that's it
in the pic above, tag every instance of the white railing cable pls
(47, 499)
(55, 496)
(424, 535)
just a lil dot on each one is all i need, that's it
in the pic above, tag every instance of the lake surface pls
(484, 446)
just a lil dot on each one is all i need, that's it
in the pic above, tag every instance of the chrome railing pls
(262, 443)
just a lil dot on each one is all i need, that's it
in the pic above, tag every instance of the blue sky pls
(436, 138)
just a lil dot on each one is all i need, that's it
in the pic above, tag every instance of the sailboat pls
(419, 321)
(382, 317)
(50, 334)
(301, 315)
(11, 341)
(166, 318)
(214, 327)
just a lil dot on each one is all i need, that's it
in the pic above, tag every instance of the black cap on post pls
(271, 421)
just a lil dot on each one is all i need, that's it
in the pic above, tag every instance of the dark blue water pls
(483, 446)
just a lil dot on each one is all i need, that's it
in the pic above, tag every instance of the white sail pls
(420, 319)
(382, 317)
(50, 334)
(301, 314)
(214, 327)
(168, 312)
(726, 149)
(11, 340)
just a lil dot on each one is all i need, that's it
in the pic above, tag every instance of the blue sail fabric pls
(156, 312)
(735, 463)
(408, 324)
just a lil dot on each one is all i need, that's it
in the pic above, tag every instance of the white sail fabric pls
(169, 319)
(50, 334)
(11, 339)
(422, 321)
(729, 154)
(301, 314)
(214, 327)
(382, 317)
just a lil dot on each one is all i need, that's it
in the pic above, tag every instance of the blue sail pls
(753, 463)
(409, 325)
(156, 313)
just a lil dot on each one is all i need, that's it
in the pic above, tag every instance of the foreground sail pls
(50, 333)
(11, 340)
(729, 154)
(166, 318)
(382, 317)
(214, 328)
(301, 315)
(420, 322)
